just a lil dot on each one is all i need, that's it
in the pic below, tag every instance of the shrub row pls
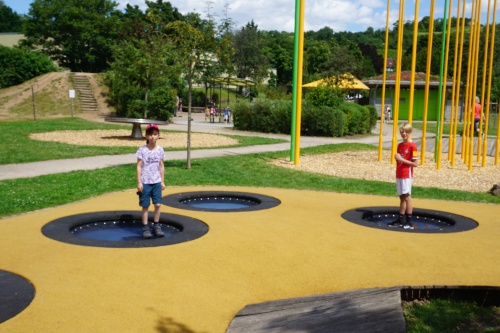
(274, 116)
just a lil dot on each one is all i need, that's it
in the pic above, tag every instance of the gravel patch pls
(122, 138)
(365, 165)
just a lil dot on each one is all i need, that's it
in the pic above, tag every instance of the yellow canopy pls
(347, 81)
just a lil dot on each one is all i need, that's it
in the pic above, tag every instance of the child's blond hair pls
(406, 127)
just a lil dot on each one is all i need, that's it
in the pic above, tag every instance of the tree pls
(316, 57)
(78, 34)
(279, 52)
(10, 21)
(140, 77)
(225, 45)
(249, 60)
(193, 39)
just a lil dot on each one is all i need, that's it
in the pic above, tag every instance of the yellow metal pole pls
(455, 91)
(427, 81)
(486, 107)
(477, 32)
(397, 92)
(469, 99)
(459, 78)
(483, 83)
(443, 100)
(384, 77)
(413, 62)
(492, 48)
(299, 84)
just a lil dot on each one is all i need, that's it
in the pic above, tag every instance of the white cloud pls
(340, 15)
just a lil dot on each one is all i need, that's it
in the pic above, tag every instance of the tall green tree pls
(78, 34)
(10, 21)
(141, 75)
(249, 59)
(279, 52)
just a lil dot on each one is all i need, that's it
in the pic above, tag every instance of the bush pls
(267, 116)
(274, 116)
(161, 103)
(130, 102)
(243, 116)
(324, 95)
(198, 98)
(373, 115)
(322, 121)
(360, 119)
(20, 65)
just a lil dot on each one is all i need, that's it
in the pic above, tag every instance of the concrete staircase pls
(84, 93)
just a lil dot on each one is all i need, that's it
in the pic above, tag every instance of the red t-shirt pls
(409, 152)
(477, 111)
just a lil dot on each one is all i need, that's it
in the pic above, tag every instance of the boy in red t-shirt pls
(406, 160)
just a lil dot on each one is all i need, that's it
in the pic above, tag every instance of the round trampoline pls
(224, 201)
(122, 229)
(423, 220)
(16, 293)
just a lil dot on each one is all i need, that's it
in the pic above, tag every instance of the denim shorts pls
(150, 191)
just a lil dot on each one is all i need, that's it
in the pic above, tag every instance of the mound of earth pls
(47, 96)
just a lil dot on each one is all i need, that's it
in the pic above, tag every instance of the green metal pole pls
(295, 78)
(439, 133)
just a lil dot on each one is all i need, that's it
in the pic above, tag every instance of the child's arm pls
(162, 173)
(413, 163)
(138, 171)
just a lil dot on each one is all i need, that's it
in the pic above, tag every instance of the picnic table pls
(136, 124)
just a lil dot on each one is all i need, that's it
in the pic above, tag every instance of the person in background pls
(176, 106)
(477, 115)
(179, 107)
(226, 114)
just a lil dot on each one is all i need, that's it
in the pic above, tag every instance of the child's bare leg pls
(409, 206)
(144, 215)
(402, 204)
(407, 211)
(146, 232)
(156, 217)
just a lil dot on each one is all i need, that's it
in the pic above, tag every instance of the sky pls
(339, 15)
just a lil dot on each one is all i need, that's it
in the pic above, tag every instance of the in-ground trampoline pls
(16, 293)
(424, 220)
(122, 229)
(220, 201)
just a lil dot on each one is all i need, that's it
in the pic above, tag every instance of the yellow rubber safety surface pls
(301, 247)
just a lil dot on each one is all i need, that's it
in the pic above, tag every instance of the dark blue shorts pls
(150, 191)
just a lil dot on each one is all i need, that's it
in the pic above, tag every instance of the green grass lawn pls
(17, 147)
(450, 316)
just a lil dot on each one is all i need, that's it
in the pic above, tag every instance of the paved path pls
(27, 170)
